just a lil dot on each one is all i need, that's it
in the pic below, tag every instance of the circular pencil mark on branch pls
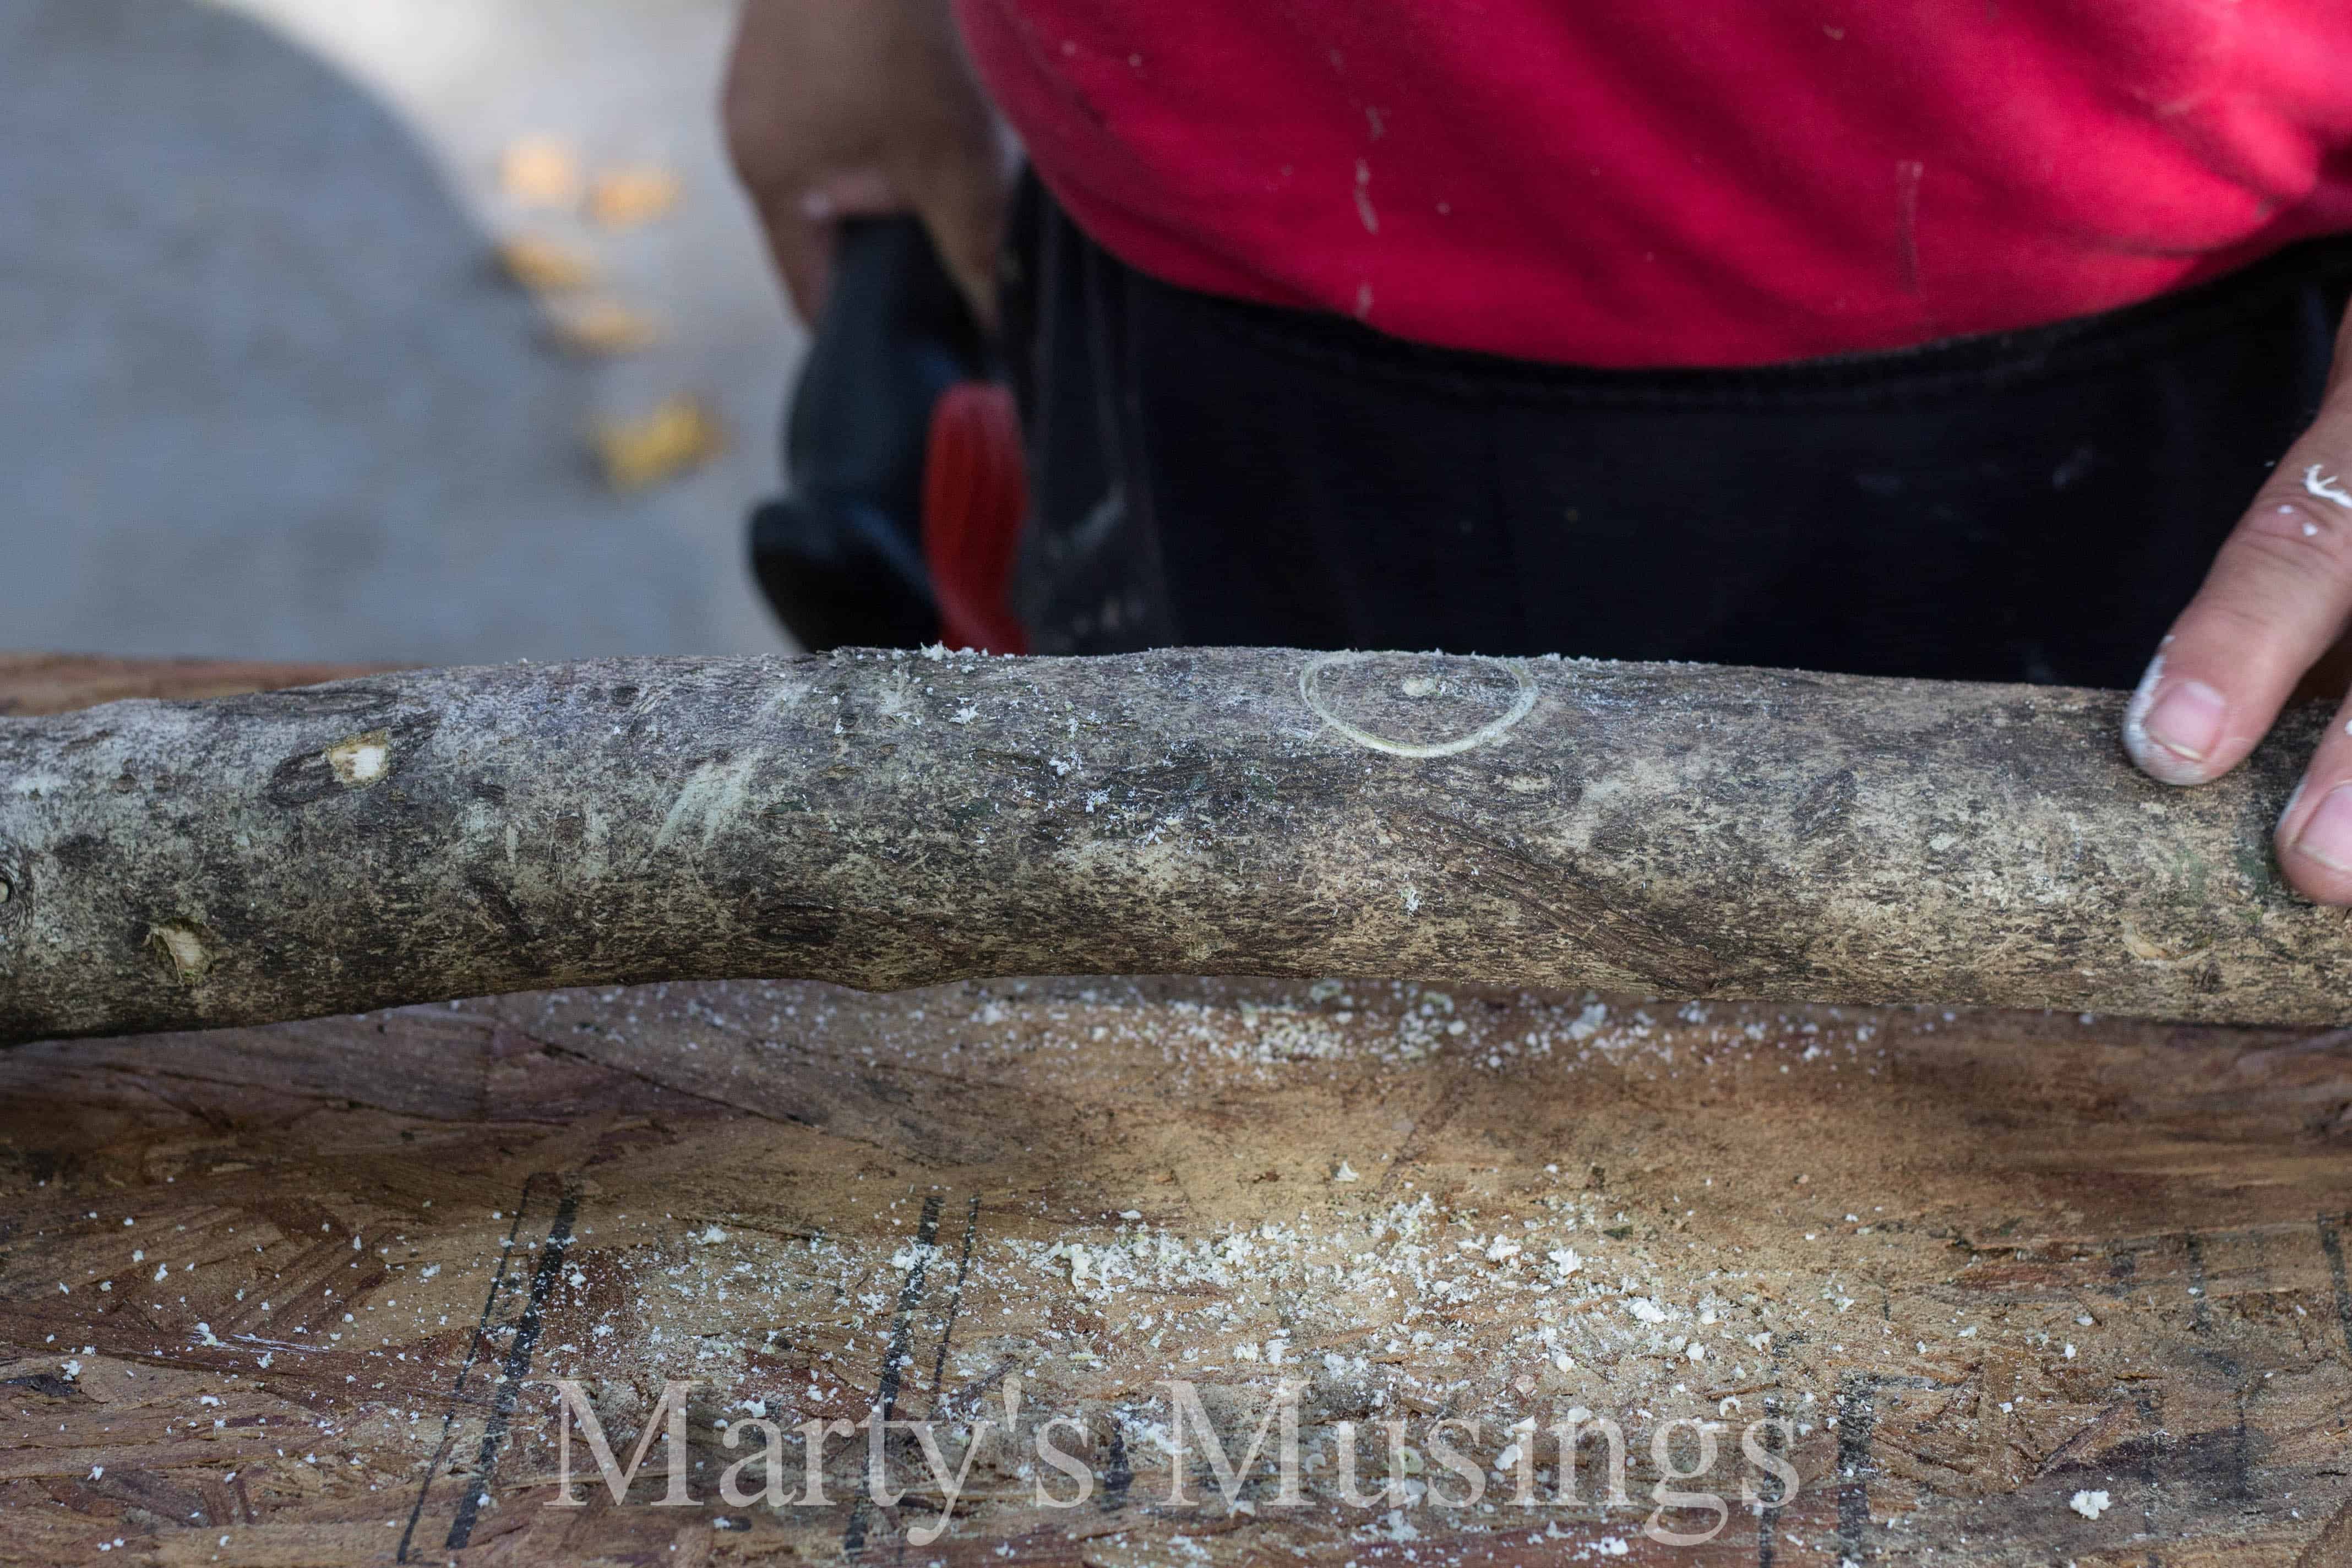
(1417, 705)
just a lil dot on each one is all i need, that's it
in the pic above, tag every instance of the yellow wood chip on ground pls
(541, 170)
(681, 434)
(603, 325)
(546, 266)
(623, 197)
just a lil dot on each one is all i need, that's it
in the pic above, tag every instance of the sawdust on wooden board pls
(261, 1286)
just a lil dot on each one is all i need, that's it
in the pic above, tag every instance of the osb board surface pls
(283, 1296)
(747, 1167)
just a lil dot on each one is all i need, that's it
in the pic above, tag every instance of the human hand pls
(841, 109)
(2277, 599)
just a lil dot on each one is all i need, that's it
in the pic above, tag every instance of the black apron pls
(2030, 506)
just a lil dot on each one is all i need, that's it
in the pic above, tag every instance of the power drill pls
(902, 452)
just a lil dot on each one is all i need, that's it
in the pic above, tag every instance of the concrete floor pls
(261, 392)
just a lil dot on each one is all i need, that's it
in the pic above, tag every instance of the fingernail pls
(2327, 836)
(2187, 720)
(2292, 800)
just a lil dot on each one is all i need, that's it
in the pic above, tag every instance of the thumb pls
(801, 226)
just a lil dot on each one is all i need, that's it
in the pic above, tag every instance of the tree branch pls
(885, 820)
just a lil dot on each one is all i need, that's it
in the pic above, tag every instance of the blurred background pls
(416, 331)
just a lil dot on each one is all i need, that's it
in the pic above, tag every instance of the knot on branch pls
(15, 890)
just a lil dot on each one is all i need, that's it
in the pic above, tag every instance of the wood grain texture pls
(885, 820)
(1889, 1227)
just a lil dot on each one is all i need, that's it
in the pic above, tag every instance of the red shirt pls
(1726, 182)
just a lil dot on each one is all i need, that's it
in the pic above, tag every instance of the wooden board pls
(33, 683)
(284, 1296)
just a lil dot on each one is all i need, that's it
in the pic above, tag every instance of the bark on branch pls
(887, 820)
